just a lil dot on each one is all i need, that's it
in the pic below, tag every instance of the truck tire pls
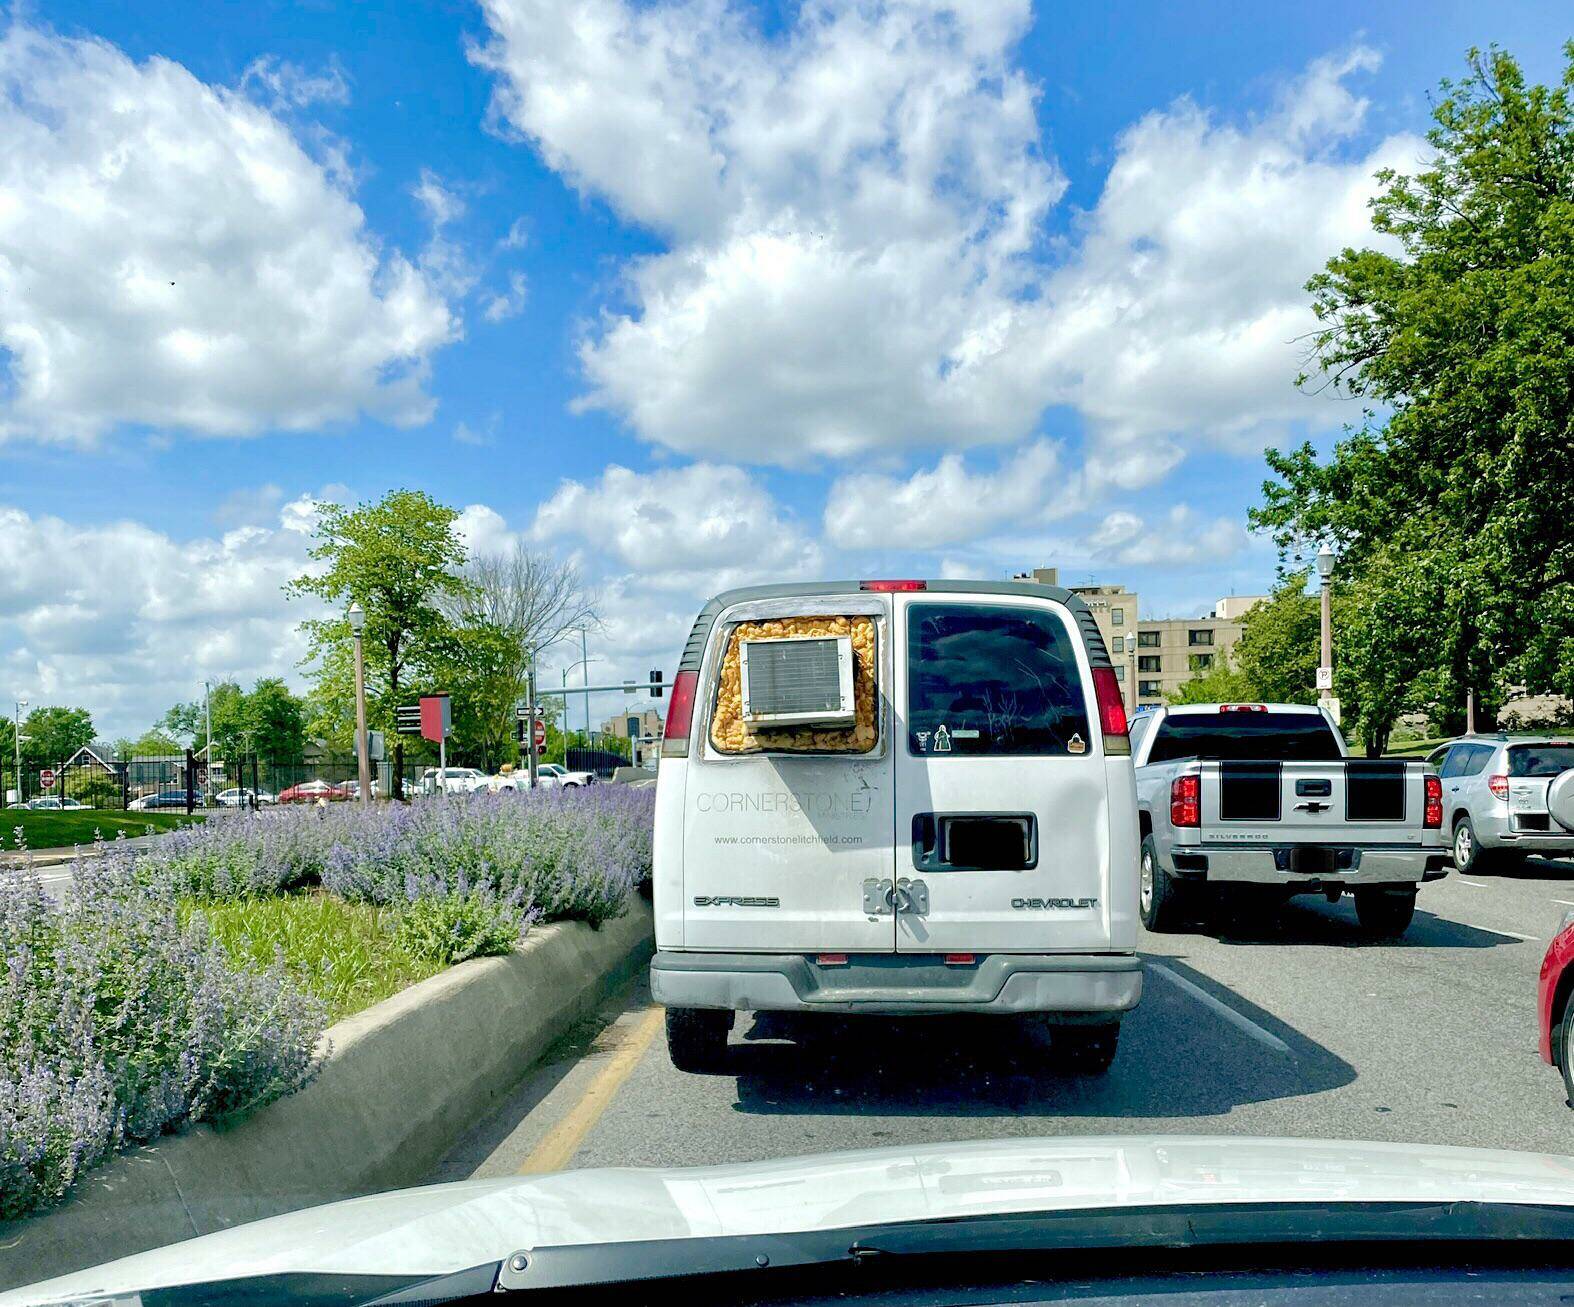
(1085, 1050)
(1161, 899)
(697, 1038)
(1385, 911)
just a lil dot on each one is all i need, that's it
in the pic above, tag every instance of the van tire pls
(1161, 899)
(1085, 1050)
(1385, 912)
(697, 1038)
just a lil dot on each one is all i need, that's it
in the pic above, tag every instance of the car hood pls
(442, 1228)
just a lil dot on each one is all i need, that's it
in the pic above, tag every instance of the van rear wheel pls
(697, 1038)
(1085, 1050)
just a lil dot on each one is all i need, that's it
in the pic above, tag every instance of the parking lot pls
(1291, 1025)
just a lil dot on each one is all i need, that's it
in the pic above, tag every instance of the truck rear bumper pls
(1266, 865)
(1080, 987)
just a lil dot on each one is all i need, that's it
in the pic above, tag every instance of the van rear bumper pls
(1081, 986)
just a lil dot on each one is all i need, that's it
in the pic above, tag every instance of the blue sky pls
(857, 289)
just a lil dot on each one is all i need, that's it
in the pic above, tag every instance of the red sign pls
(46, 777)
(437, 722)
(541, 735)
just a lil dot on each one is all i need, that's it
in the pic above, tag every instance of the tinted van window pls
(1539, 759)
(1233, 736)
(992, 679)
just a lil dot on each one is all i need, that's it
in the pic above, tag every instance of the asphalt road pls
(1295, 1026)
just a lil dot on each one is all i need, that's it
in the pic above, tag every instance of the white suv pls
(1495, 799)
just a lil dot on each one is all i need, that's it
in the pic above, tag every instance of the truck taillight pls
(1186, 801)
(1498, 785)
(1243, 707)
(1112, 712)
(893, 587)
(1432, 811)
(680, 712)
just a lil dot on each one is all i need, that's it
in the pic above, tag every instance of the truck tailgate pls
(1354, 801)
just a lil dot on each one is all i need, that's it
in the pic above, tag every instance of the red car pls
(1553, 1005)
(311, 791)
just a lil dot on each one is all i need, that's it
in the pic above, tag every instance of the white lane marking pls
(1503, 930)
(1565, 902)
(1242, 1023)
(1474, 884)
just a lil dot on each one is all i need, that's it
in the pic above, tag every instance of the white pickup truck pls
(1263, 800)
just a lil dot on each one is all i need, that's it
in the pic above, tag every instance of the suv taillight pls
(680, 712)
(1498, 785)
(1432, 812)
(1186, 801)
(1112, 712)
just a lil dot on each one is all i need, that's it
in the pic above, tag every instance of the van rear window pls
(1539, 759)
(992, 679)
(1242, 736)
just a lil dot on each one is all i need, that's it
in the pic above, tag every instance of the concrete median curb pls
(401, 1083)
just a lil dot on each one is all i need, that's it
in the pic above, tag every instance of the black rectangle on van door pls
(1374, 789)
(1249, 791)
(975, 841)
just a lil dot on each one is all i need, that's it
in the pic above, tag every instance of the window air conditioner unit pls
(801, 680)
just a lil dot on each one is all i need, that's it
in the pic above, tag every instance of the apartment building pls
(1153, 656)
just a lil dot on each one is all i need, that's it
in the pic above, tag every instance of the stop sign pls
(46, 777)
(541, 735)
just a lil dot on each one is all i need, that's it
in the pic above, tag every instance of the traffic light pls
(655, 685)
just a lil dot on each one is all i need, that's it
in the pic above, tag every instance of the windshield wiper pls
(1160, 1226)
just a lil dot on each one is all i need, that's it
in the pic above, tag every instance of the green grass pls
(1416, 748)
(60, 830)
(344, 953)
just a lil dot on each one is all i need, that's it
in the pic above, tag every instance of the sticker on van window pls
(1076, 744)
(962, 734)
(923, 738)
(942, 739)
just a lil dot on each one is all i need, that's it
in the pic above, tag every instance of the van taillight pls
(1186, 801)
(888, 587)
(680, 712)
(1498, 785)
(1112, 712)
(1432, 811)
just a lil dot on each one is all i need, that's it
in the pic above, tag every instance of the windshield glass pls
(632, 586)
(1269, 736)
(1540, 759)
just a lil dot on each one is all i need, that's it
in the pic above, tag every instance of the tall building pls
(645, 725)
(1154, 656)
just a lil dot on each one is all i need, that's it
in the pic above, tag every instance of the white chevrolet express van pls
(896, 798)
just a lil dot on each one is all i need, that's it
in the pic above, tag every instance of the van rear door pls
(782, 851)
(1002, 801)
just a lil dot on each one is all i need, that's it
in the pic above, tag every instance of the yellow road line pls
(561, 1143)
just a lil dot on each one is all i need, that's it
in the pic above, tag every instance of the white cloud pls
(857, 252)
(948, 504)
(681, 526)
(170, 255)
(1181, 538)
(289, 85)
(125, 620)
(442, 205)
(848, 206)
(498, 306)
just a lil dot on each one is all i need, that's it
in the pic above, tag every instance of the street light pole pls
(16, 739)
(1325, 668)
(207, 769)
(363, 761)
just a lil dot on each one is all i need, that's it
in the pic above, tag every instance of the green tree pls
(156, 743)
(1280, 644)
(51, 735)
(400, 559)
(1221, 683)
(1449, 504)
(275, 716)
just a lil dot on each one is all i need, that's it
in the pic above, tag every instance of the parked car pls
(552, 773)
(242, 798)
(849, 821)
(1262, 799)
(455, 780)
(53, 803)
(1495, 790)
(1555, 1004)
(313, 792)
(162, 799)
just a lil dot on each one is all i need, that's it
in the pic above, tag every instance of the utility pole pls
(16, 739)
(1325, 666)
(533, 760)
(363, 760)
(584, 676)
(207, 712)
